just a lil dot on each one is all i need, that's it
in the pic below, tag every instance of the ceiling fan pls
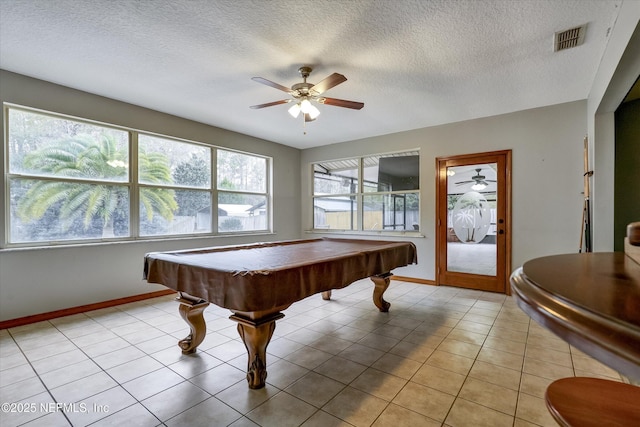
(479, 181)
(304, 93)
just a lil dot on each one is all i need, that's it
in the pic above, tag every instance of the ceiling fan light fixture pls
(295, 110)
(478, 186)
(305, 106)
(313, 111)
(303, 93)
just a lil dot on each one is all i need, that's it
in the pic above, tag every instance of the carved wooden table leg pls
(381, 282)
(191, 311)
(256, 335)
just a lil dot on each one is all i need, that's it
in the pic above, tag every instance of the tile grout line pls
(440, 299)
(38, 375)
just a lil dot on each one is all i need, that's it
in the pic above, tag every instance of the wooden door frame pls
(440, 232)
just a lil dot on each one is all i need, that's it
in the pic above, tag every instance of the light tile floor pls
(441, 357)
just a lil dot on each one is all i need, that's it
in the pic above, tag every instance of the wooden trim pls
(504, 256)
(414, 280)
(508, 200)
(463, 159)
(20, 321)
(12, 323)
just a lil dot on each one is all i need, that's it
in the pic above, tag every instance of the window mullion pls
(359, 198)
(397, 181)
(214, 191)
(269, 194)
(134, 187)
(172, 184)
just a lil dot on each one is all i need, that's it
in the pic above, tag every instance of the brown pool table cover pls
(263, 276)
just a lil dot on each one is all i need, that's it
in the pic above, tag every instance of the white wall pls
(547, 175)
(35, 281)
(547, 181)
(618, 70)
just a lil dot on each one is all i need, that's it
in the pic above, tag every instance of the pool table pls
(258, 281)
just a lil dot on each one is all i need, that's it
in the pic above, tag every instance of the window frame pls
(131, 184)
(360, 195)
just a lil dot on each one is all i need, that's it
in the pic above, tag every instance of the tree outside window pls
(71, 180)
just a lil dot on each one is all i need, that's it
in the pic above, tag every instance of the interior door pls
(473, 244)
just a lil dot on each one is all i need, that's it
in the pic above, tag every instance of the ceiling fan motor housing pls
(301, 89)
(305, 71)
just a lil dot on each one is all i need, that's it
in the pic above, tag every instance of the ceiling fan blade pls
(464, 182)
(333, 80)
(270, 83)
(341, 103)
(270, 104)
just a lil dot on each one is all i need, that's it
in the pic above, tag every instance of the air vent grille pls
(569, 38)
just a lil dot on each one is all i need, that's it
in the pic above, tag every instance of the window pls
(379, 192)
(72, 180)
(242, 187)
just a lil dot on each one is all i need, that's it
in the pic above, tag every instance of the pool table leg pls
(381, 283)
(191, 310)
(256, 334)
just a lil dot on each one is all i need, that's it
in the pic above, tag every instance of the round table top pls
(591, 300)
(593, 402)
(606, 283)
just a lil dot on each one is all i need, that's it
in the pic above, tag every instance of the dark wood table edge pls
(603, 339)
(593, 402)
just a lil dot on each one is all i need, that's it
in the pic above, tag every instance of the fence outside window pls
(72, 180)
(380, 192)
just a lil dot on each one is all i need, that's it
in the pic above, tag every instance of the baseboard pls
(414, 280)
(12, 323)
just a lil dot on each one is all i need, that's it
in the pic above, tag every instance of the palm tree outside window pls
(71, 180)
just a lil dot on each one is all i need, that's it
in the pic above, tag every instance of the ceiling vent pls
(569, 38)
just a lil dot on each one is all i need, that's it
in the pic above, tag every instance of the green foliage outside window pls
(100, 160)
(71, 180)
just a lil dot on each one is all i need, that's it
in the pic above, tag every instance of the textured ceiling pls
(414, 63)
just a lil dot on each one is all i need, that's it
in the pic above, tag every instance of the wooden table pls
(259, 281)
(593, 402)
(592, 301)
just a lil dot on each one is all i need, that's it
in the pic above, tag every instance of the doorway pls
(473, 221)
